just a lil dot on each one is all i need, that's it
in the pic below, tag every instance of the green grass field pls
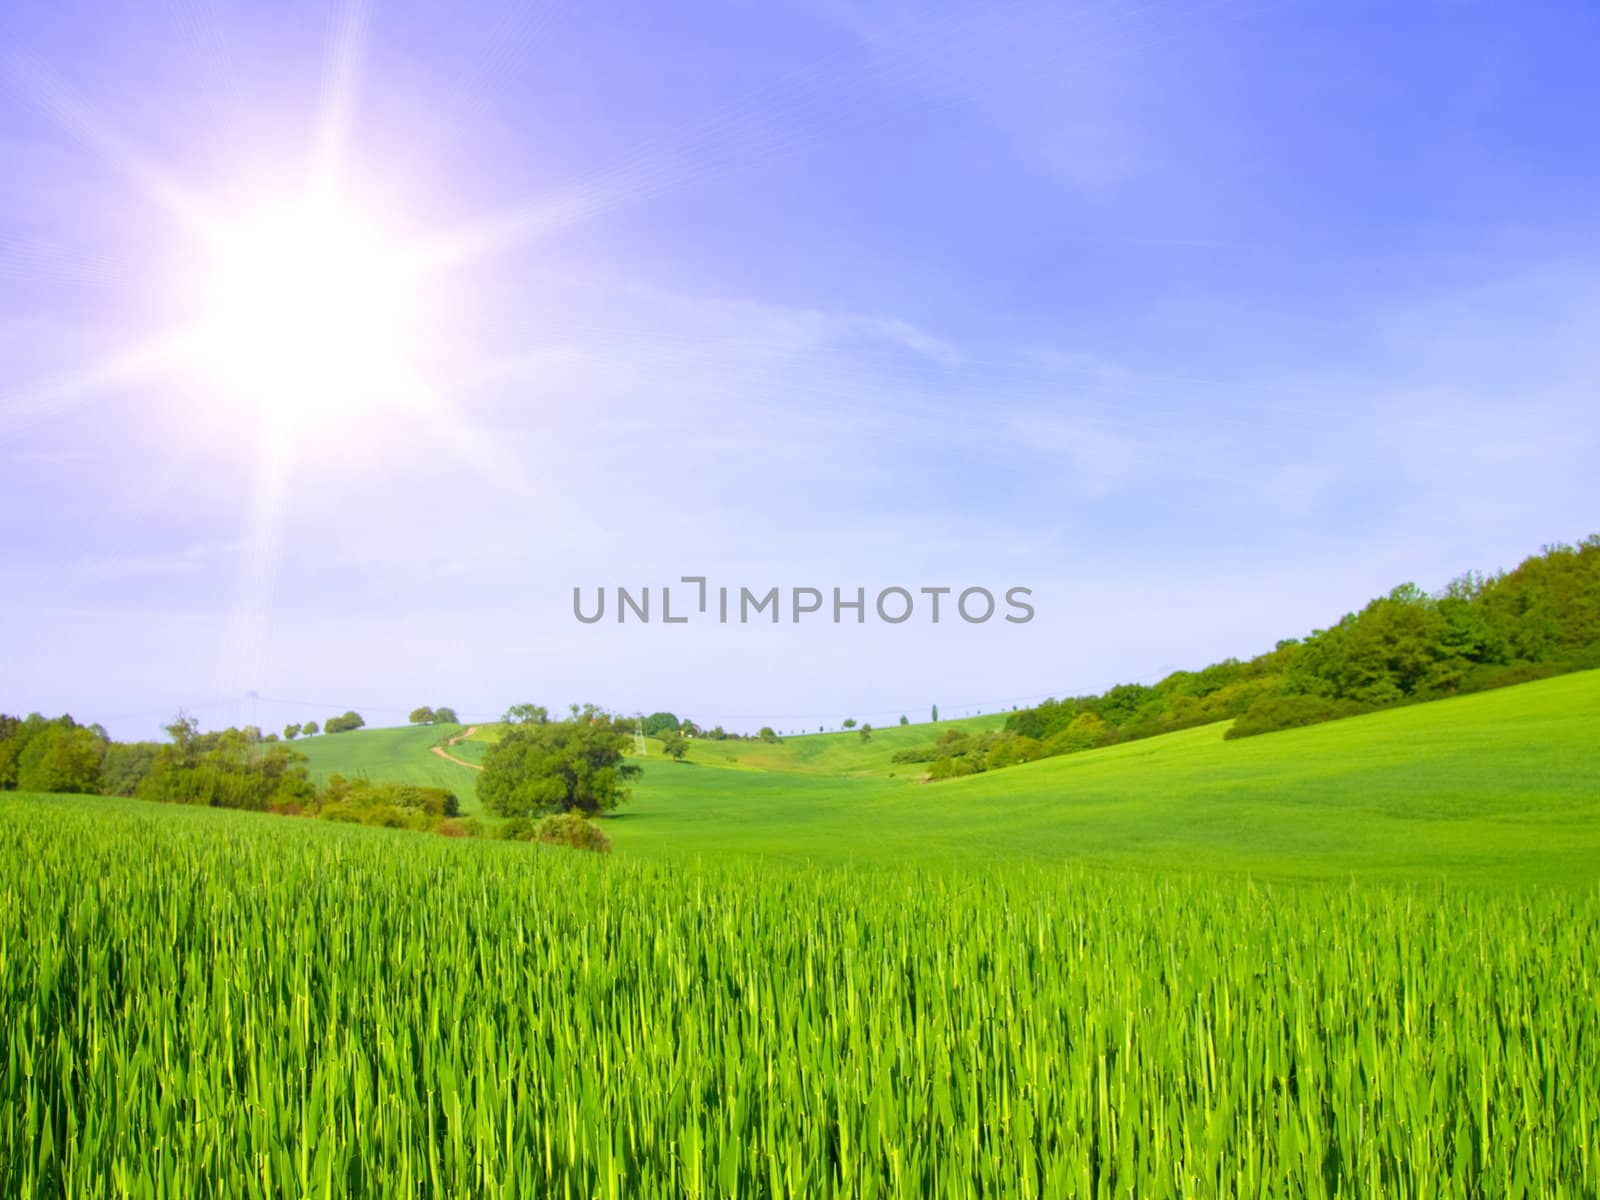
(401, 755)
(1501, 787)
(211, 1003)
(1348, 960)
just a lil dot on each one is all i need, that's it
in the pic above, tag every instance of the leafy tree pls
(291, 732)
(659, 723)
(125, 766)
(866, 733)
(225, 770)
(935, 714)
(445, 715)
(526, 714)
(558, 766)
(62, 758)
(904, 720)
(309, 729)
(343, 724)
(767, 735)
(675, 745)
(849, 722)
(421, 716)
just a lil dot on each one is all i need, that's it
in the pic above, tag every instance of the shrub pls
(571, 830)
(952, 768)
(1272, 713)
(560, 829)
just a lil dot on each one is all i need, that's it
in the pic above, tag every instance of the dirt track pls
(460, 762)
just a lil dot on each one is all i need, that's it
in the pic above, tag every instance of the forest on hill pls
(1479, 632)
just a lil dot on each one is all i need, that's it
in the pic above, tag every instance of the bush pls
(515, 829)
(1272, 713)
(953, 768)
(571, 830)
(388, 805)
(561, 829)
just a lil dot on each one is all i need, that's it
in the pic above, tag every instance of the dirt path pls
(448, 757)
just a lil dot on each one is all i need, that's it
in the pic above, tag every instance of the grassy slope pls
(834, 754)
(401, 755)
(1499, 787)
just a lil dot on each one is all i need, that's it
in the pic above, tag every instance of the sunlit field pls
(1110, 974)
(1492, 789)
(206, 1003)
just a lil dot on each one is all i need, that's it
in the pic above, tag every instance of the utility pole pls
(252, 696)
(638, 737)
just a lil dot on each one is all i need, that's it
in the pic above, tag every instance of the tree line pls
(547, 777)
(1479, 632)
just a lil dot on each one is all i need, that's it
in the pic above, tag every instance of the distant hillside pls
(1477, 633)
(402, 755)
(1497, 788)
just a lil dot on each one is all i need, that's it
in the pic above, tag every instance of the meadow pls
(399, 755)
(1494, 789)
(206, 1003)
(1351, 959)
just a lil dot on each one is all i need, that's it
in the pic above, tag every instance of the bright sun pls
(308, 311)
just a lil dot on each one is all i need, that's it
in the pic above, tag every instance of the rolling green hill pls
(834, 754)
(402, 755)
(803, 928)
(1499, 787)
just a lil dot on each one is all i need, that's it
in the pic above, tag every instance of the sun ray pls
(145, 361)
(476, 450)
(57, 101)
(244, 647)
(347, 50)
(475, 240)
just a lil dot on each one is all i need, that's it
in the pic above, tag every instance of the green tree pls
(310, 729)
(659, 723)
(904, 720)
(421, 716)
(675, 746)
(63, 758)
(125, 766)
(526, 714)
(849, 722)
(866, 733)
(445, 715)
(1084, 732)
(291, 732)
(225, 770)
(11, 740)
(558, 766)
(767, 735)
(344, 723)
(935, 714)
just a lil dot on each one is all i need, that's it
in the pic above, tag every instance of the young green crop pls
(203, 1003)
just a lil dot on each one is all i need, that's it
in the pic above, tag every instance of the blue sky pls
(1205, 321)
